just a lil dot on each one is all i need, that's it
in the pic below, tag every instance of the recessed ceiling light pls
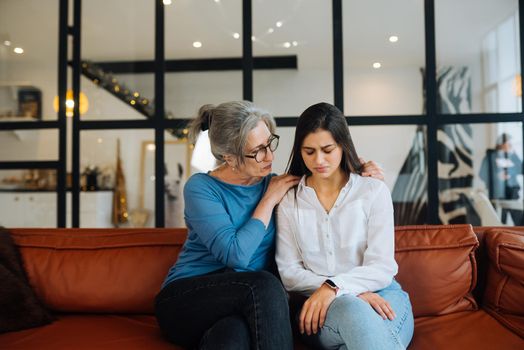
(279, 24)
(393, 38)
(167, 2)
(236, 35)
(151, 147)
(197, 44)
(294, 43)
(377, 65)
(217, 0)
(7, 43)
(270, 30)
(99, 140)
(287, 44)
(18, 50)
(253, 38)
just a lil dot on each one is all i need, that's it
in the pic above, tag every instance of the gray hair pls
(229, 124)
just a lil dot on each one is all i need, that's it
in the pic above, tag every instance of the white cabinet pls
(28, 209)
(38, 209)
(95, 209)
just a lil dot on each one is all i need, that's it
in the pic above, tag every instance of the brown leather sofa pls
(466, 287)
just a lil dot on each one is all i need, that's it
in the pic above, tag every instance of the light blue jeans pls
(351, 323)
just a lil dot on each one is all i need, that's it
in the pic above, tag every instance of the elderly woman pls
(219, 294)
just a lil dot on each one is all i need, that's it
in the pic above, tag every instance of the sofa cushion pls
(463, 330)
(504, 296)
(97, 270)
(437, 267)
(20, 307)
(88, 332)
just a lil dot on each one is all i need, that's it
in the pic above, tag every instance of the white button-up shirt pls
(352, 244)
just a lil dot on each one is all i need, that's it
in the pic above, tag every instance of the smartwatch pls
(331, 285)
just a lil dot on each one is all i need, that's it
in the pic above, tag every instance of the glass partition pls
(478, 56)
(29, 145)
(293, 28)
(28, 60)
(118, 51)
(383, 57)
(199, 33)
(112, 168)
(480, 174)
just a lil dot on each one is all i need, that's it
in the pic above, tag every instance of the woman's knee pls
(269, 287)
(349, 312)
(228, 333)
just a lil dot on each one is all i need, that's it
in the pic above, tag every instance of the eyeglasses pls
(261, 153)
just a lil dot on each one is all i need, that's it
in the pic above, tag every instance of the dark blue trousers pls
(227, 310)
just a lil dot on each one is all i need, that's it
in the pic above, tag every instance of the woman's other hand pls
(314, 310)
(371, 169)
(381, 305)
(277, 188)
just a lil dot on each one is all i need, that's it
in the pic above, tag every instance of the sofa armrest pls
(504, 294)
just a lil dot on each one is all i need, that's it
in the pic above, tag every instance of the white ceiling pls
(124, 29)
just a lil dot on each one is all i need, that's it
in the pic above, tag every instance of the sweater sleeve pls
(379, 266)
(206, 215)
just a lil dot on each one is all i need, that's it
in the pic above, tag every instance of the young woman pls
(335, 242)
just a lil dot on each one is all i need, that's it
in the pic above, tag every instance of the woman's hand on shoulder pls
(371, 169)
(381, 305)
(279, 186)
(314, 310)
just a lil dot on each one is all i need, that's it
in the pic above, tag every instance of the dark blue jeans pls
(228, 310)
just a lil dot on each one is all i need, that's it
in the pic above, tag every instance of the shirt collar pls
(302, 184)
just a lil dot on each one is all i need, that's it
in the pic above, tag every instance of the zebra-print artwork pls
(410, 191)
(455, 159)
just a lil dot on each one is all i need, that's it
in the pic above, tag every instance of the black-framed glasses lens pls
(272, 145)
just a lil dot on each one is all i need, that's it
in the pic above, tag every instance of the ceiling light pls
(270, 30)
(279, 24)
(236, 35)
(253, 38)
(217, 0)
(167, 2)
(18, 50)
(377, 65)
(287, 44)
(294, 43)
(197, 44)
(7, 43)
(99, 140)
(393, 38)
(151, 147)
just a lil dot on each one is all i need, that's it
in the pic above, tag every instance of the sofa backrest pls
(98, 270)
(121, 270)
(437, 267)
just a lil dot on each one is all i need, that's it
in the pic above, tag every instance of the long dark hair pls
(327, 117)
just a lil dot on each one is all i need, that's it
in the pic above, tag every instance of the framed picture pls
(30, 102)
(177, 155)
